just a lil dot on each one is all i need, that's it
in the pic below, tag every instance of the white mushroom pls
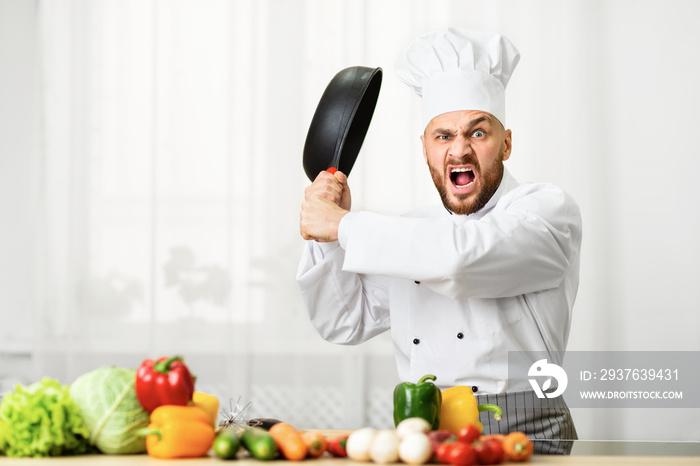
(385, 447)
(359, 442)
(412, 425)
(416, 448)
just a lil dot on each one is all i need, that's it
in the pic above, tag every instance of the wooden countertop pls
(329, 461)
(575, 459)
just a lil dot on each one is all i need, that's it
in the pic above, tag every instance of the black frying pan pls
(341, 121)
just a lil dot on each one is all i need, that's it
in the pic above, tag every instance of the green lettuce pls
(107, 402)
(41, 420)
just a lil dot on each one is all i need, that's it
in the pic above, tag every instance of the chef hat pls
(459, 69)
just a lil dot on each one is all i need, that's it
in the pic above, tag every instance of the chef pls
(493, 269)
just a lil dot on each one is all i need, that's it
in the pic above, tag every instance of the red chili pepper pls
(165, 381)
(336, 446)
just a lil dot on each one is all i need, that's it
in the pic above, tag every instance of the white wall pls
(19, 164)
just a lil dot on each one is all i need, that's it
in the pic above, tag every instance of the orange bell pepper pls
(517, 446)
(178, 432)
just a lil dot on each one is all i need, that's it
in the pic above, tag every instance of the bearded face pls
(465, 151)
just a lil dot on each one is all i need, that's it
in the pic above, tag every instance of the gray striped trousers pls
(547, 422)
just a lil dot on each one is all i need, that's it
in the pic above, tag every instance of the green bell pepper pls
(422, 399)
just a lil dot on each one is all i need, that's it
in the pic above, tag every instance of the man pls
(494, 269)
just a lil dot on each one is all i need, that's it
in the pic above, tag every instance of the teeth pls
(459, 170)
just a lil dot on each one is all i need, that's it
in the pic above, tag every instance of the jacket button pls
(475, 389)
(460, 335)
(416, 341)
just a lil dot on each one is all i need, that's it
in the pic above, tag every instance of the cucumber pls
(226, 444)
(259, 443)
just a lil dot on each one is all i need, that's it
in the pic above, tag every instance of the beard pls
(488, 178)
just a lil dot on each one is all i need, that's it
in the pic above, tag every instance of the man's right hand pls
(333, 187)
(326, 201)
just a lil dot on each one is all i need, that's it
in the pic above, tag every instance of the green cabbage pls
(107, 402)
(41, 420)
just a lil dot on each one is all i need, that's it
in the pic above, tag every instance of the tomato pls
(489, 451)
(442, 450)
(517, 446)
(461, 454)
(469, 433)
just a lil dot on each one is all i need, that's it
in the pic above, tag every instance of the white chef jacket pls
(457, 291)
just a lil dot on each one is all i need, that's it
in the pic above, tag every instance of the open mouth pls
(462, 177)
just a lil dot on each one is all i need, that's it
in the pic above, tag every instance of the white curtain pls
(170, 181)
(173, 134)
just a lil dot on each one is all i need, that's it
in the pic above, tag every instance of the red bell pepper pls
(166, 381)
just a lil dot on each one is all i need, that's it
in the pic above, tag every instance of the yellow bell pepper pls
(209, 403)
(178, 432)
(459, 408)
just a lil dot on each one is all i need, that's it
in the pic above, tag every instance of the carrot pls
(315, 442)
(289, 441)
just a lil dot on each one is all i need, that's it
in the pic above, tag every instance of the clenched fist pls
(326, 201)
